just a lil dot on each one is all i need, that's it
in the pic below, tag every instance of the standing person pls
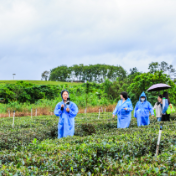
(166, 103)
(123, 111)
(142, 109)
(158, 108)
(66, 115)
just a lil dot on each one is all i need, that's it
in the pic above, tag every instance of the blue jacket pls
(124, 116)
(66, 123)
(141, 111)
(165, 105)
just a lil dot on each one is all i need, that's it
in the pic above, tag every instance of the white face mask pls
(142, 99)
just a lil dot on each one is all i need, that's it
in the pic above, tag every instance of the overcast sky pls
(38, 35)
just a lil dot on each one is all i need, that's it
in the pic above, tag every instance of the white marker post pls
(158, 142)
(99, 114)
(13, 119)
(36, 112)
(85, 111)
(31, 113)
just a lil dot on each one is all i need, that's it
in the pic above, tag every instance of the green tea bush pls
(98, 147)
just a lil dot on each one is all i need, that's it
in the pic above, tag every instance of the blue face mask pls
(142, 99)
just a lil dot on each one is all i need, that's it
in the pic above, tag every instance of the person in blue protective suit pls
(123, 111)
(66, 115)
(142, 109)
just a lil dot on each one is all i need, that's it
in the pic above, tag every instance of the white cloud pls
(42, 34)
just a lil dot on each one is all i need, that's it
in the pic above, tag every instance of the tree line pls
(92, 73)
(100, 72)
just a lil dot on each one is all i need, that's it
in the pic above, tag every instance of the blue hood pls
(143, 95)
(64, 91)
(128, 99)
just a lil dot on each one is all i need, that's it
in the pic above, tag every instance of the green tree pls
(143, 81)
(164, 67)
(133, 71)
(45, 75)
(153, 67)
(61, 73)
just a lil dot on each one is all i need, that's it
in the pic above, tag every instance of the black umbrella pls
(158, 87)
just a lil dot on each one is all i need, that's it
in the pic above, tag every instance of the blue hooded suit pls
(124, 116)
(66, 123)
(141, 111)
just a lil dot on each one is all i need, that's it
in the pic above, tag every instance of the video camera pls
(68, 101)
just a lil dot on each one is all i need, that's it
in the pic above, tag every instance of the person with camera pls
(66, 111)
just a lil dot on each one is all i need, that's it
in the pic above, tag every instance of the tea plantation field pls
(98, 147)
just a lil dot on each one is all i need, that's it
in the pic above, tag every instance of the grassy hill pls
(37, 82)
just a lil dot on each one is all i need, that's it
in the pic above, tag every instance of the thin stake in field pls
(13, 119)
(31, 113)
(158, 142)
(85, 111)
(99, 114)
(36, 112)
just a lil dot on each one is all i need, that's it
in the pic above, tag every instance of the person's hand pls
(67, 109)
(152, 115)
(125, 108)
(62, 107)
(113, 116)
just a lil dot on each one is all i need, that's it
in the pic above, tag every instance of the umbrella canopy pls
(158, 87)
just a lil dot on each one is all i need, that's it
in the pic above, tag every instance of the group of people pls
(123, 110)
(142, 110)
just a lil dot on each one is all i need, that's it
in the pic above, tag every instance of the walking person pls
(158, 108)
(142, 110)
(166, 103)
(66, 114)
(123, 111)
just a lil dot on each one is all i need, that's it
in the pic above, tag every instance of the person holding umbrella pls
(66, 110)
(165, 101)
(142, 109)
(123, 111)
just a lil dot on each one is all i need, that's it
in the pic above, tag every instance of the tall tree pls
(45, 75)
(153, 67)
(133, 71)
(164, 67)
